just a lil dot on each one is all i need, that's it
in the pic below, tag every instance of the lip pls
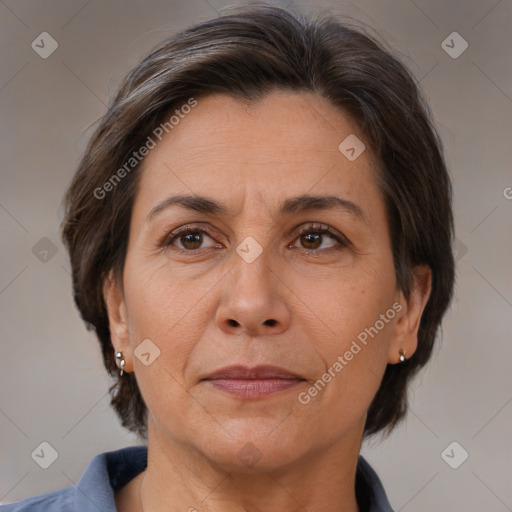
(263, 371)
(255, 382)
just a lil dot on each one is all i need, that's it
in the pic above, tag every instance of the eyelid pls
(324, 228)
(306, 227)
(175, 233)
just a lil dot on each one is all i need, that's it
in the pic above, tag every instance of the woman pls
(260, 234)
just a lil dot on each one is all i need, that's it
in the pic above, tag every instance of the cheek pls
(353, 300)
(168, 310)
(357, 315)
(162, 301)
(353, 368)
(164, 309)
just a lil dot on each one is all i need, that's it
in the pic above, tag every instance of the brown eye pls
(191, 240)
(188, 240)
(311, 241)
(312, 237)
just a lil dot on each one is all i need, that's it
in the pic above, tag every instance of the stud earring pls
(120, 357)
(402, 355)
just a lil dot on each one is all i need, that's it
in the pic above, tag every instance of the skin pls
(211, 309)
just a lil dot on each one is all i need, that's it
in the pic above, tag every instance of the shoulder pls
(56, 501)
(105, 474)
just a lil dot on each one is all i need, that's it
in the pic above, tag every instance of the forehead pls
(286, 144)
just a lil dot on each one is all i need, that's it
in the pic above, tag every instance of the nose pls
(253, 299)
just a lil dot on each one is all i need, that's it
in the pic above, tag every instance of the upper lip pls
(255, 372)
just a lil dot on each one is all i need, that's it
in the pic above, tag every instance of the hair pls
(246, 54)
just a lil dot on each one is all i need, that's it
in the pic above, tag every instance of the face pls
(259, 321)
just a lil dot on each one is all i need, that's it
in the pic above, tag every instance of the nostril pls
(271, 322)
(233, 323)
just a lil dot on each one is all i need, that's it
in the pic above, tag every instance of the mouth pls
(256, 382)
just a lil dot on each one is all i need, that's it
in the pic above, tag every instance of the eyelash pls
(318, 229)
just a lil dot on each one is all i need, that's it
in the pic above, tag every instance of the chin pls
(255, 445)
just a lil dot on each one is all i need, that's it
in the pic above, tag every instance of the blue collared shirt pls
(110, 471)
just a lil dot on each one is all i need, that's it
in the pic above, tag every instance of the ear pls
(405, 332)
(116, 309)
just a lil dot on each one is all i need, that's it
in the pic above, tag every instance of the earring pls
(402, 355)
(120, 357)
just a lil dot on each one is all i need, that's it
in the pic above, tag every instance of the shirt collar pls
(110, 471)
(105, 474)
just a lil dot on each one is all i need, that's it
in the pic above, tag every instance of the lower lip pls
(253, 388)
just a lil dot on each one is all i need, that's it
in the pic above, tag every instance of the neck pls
(178, 478)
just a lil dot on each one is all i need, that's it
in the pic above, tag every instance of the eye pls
(312, 237)
(188, 240)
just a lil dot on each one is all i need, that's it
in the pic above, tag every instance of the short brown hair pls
(247, 53)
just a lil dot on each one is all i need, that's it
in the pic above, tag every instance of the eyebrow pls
(291, 206)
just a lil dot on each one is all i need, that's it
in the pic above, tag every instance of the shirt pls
(110, 471)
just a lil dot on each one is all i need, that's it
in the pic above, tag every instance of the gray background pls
(53, 386)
